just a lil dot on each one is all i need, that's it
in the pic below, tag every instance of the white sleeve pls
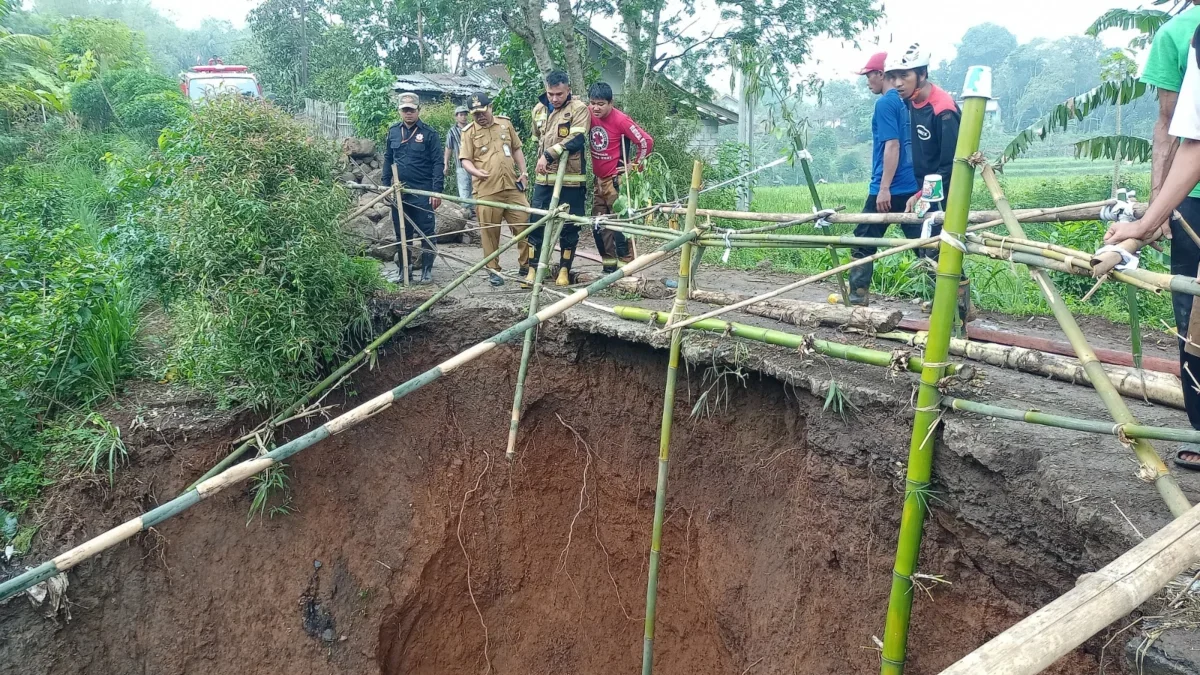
(1186, 122)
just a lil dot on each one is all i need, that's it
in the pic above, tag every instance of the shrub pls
(370, 105)
(265, 291)
(138, 102)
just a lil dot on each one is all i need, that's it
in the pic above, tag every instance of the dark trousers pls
(416, 210)
(860, 277)
(1185, 258)
(574, 197)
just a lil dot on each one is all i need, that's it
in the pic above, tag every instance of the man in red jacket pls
(610, 132)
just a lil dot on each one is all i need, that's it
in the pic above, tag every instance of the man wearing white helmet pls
(934, 118)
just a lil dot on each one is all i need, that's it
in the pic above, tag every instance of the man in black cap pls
(414, 150)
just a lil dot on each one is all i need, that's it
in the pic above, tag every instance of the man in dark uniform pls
(414, 148)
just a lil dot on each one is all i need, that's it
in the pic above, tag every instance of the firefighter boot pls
(860, 285)
(564, 267)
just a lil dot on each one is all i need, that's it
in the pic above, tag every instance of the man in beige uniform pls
(491, 153)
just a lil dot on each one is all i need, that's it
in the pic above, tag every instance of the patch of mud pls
(438, 556)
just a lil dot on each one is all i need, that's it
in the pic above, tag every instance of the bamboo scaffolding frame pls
(1121, 432)
(1152, 465)
(668, 416)
(370, 349)
(351, 418)
(1089, 211)
(927, 415)
(543, 264)
(808, 343)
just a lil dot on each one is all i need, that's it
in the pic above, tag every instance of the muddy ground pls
(413, 546)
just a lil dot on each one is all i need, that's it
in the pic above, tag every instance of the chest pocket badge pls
(564, 130)
(420, 138)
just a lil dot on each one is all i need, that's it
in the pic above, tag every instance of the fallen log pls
(653, 289)
(1161, 388)
(1155, 363)
(811, 314)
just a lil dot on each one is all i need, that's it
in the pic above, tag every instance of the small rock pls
(343, 638)
(317, 564)
(456, 462)
(327, 635)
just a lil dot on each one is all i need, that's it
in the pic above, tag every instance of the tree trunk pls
(632, 27)
(1117, 157)
(421, 37)
(528, 27)
(651, 50)
(808, 314)
(304, 47)
(566, 24)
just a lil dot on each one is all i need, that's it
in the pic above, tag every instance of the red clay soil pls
(438, 557)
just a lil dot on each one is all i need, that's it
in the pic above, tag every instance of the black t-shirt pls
(934, 135)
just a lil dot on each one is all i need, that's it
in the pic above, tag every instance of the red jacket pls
(606, 136)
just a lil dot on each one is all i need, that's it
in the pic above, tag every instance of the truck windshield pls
(210, 87)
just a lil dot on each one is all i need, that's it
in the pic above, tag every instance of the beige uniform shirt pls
(491, 149)
(554, 130)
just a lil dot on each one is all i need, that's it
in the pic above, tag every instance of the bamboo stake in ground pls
(1098, 600)
(941, 323)
(543, 263)
(664, 441)
(236, 474)
(403, 233)
(370, 349)
(1153, 468)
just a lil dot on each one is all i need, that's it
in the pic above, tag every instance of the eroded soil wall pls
(777, 554)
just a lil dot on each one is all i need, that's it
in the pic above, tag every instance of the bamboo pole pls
(664, 442)
(1152, 465)
(363, 209)
(1120, 431)
(1098, 600)
(837, 350)
(351, 418)
(1135, 326)
(920, 456)
(1155, 387)
(370, 349)
(1061, 214)
(403, 233)
(543, 264)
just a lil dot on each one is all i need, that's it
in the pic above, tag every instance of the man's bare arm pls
(1165, 145)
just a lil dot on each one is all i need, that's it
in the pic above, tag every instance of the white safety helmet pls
(911, 58)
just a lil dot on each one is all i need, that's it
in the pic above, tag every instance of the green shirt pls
(1169, 55)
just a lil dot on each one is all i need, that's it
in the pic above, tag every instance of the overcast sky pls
(937, 24)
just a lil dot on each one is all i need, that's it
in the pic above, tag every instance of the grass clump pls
(262, 287)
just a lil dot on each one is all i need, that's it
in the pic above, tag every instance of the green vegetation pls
(994, 287)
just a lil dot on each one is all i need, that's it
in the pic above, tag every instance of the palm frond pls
(1075, 108)
(1145, 21)
(1128, 148)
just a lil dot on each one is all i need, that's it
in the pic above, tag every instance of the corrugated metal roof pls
(473, 82)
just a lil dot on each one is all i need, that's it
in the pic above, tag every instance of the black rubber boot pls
(860, 285)
(965, 307)
(426, 274)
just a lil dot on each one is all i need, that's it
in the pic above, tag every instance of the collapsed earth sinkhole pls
(413, 546)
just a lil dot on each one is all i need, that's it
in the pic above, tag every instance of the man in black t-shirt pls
(934, 118)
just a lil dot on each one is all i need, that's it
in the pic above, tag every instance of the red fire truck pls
(204, 82)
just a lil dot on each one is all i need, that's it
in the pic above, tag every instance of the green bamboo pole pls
(1074, 423)
(543, 264)
(664, 442)
(378, 342)
(1135, 325)
(356, 416)
(871, 357)
(937, 349)
(1152, 465)
(833, 254)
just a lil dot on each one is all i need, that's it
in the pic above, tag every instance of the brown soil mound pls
(414, 547)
